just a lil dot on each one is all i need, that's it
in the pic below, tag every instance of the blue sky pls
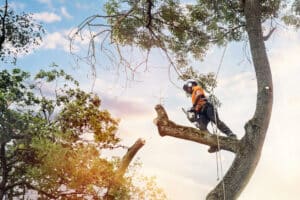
(184, 169)
(58, 18)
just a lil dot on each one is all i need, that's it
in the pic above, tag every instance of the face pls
(189, 90)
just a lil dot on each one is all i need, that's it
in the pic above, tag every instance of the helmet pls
(187, 87)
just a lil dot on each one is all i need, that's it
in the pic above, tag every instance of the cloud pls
(82, 6)
(61, 40)
(17, 6)
(46, 17)
(55, 40)
(283, 62)
(47, 2)
(125, 108)
(65, 13)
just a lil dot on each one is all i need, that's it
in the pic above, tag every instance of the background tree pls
(44, 146)
(182, 30)
(18, 33)
(43, 151)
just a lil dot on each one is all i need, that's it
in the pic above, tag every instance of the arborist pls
(202, 111)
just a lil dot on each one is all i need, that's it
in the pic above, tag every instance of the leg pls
(213, 116)
(202, 121)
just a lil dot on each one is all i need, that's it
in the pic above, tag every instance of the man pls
(204, 111)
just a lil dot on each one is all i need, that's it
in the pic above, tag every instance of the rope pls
(219, 155)
(216, 132)
(221, 62)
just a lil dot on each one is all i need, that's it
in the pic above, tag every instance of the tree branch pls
(169, 128)
(127, 158)
(269, 34)
(149, 13)
(11, 186)
(29, 186)
(32, 187)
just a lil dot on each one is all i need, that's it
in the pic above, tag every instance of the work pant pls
(207, 114)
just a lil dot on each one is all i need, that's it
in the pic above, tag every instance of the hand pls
(191, 116)
(192, 109)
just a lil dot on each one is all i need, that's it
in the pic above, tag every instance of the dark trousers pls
(207, 114)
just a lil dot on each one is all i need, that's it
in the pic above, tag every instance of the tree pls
(43, 147)
(18, 33)
(181, 30)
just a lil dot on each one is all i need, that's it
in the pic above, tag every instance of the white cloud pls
(46, 17)
(61, 40)
(65, 13)
(17, 6)
(45, 1)
(56, 40)
(82, 6)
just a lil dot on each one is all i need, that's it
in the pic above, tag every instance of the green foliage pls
(181, 28)
(43, 142)
(18, 33)
(186, 30)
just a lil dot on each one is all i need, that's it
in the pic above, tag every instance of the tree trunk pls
(3, 29)
(4, 171)
(251, 144)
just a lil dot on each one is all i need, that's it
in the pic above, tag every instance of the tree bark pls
(127, 158)
(4, 171)
(248, 149)
(169, 128)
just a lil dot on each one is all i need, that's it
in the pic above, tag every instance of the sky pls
(183, 169)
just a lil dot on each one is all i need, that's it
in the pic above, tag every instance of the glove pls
(191, 115)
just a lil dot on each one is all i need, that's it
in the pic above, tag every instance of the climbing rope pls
(216, 132)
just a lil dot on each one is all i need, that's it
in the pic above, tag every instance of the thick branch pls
(127, 158)
(167, 127)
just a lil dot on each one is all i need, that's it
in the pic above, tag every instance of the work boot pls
(232, 135)
(212, 149)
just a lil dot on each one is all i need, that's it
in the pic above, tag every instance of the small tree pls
(43, 147)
